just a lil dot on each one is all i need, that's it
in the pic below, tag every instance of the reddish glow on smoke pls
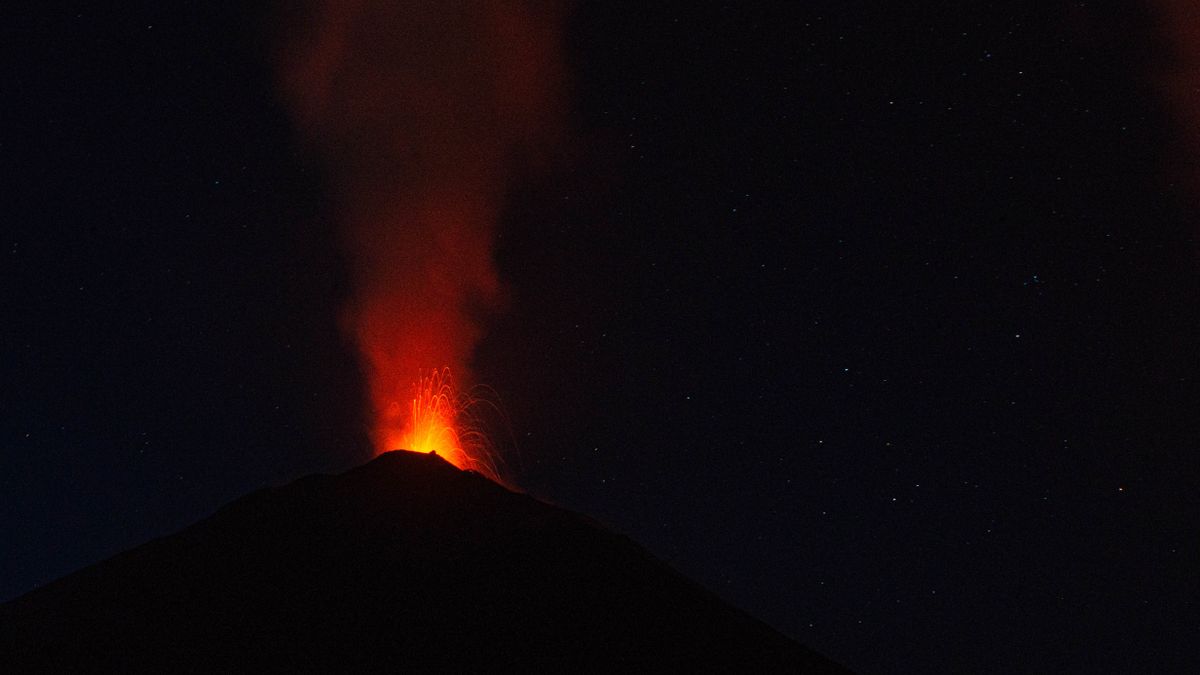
(423, 112)
(1179, 20)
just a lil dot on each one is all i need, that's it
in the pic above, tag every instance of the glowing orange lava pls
(442, 420)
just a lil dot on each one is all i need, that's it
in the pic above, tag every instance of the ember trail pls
(439, 418)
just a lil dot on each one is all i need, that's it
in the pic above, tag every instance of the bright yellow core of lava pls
(435, 414)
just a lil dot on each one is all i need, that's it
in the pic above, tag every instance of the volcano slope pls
(403, 562)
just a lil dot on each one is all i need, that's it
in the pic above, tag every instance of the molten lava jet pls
(442, 420)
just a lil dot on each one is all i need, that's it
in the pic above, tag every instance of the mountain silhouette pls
(403, 562)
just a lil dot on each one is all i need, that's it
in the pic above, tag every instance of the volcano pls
(403, 562)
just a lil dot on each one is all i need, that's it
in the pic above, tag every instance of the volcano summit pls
(403, 562)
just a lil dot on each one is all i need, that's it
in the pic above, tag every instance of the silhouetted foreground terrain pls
(402, 562)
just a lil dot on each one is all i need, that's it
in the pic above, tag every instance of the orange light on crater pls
(440, 419)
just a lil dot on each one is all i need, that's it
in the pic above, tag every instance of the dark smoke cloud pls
(1179, 22)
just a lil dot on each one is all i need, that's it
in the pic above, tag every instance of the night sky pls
(881, 324)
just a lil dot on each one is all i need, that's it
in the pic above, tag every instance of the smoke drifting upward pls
(1180, 22)
(422, 112)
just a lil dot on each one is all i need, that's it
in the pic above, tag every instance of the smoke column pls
(421, 112)
(1179, 20)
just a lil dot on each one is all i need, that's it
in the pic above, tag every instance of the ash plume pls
(421, 113)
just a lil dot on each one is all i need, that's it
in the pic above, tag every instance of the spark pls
(454, 425)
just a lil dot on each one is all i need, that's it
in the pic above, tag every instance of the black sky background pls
(879, 323)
